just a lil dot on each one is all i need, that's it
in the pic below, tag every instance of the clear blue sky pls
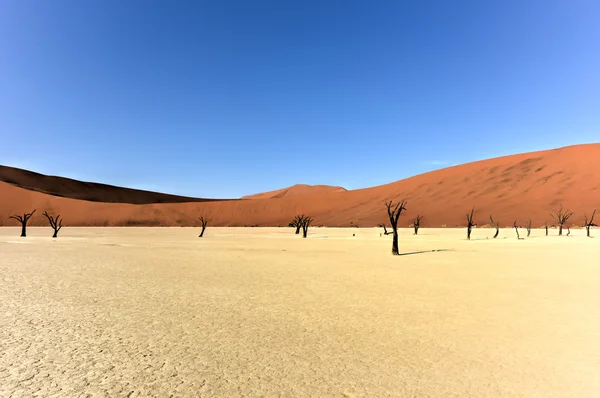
(225, 98)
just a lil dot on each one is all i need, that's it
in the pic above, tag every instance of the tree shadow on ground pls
(426, 251)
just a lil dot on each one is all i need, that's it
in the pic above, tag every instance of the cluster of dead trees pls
(560, 216)
(301, 222)
(55, 222)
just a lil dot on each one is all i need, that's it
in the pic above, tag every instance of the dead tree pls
(470, 223)
(393, 215)
(55, 223)
(590, 223)
(561, 216)
(306, 221)
(495, 224)
(297, 223)
(204, 223)
(417, 223)
(385, 231)
(516, 229)
(23, 220)
(528, 226)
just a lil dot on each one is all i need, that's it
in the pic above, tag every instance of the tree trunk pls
(469, 232)
(560, 230)
(395, 250)
(23, 230)
(298, 229)
(202, 232)
(496, 234)
(546, 230)
(55, 233)
(304, 232)
(416, 230)
(587, 227)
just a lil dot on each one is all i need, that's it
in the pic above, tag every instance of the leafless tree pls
(561, 216)
(385, 231)
(590, 223)
(516, 229)
(23, 220)
(470, 223)
(417, 223)
(528, 226)
(306, 221)
(495, 224)
(204, 222)
(297, 223)
(55, 223)
(394, 214)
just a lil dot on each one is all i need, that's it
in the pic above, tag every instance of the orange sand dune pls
(296, 190)
(512, 188)
(92, 191)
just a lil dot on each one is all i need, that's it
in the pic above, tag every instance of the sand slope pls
(297, 190)
(92, 191)
(515, 187)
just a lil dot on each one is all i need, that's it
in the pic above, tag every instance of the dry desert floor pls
(261, 312)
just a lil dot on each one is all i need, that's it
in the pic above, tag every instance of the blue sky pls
(226, 98)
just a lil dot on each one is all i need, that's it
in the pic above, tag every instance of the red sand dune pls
(516, 187)
(296, 190)
(92, 191)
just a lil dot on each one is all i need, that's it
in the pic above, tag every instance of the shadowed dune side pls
(516, 187)
(91, 191)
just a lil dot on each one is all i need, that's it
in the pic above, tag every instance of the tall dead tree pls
(470, 223)
(385, 231)
(23, 220)
(590, 223)
(394, 215)
(417, 223)
(495, 224)
(297, 223)
(528, 226)
(55, 223)
(561, 216)
(306, 221)
(516, 229)
(203, 223)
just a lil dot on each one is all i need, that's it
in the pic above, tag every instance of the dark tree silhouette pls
(546, 225)
(561, 216)
(516, 229)
(393, 215)
(495, 224)
(528, 226)
(470, 223)
(297, 223)
(23, 220)
(306, 221)
(385, 231)
(417, 223)
(590, 223)
(55, 223)
(204, 223)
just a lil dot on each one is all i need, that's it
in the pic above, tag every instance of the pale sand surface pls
(142, 312)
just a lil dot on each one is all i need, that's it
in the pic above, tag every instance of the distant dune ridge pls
(296, 190)
(512, 188)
